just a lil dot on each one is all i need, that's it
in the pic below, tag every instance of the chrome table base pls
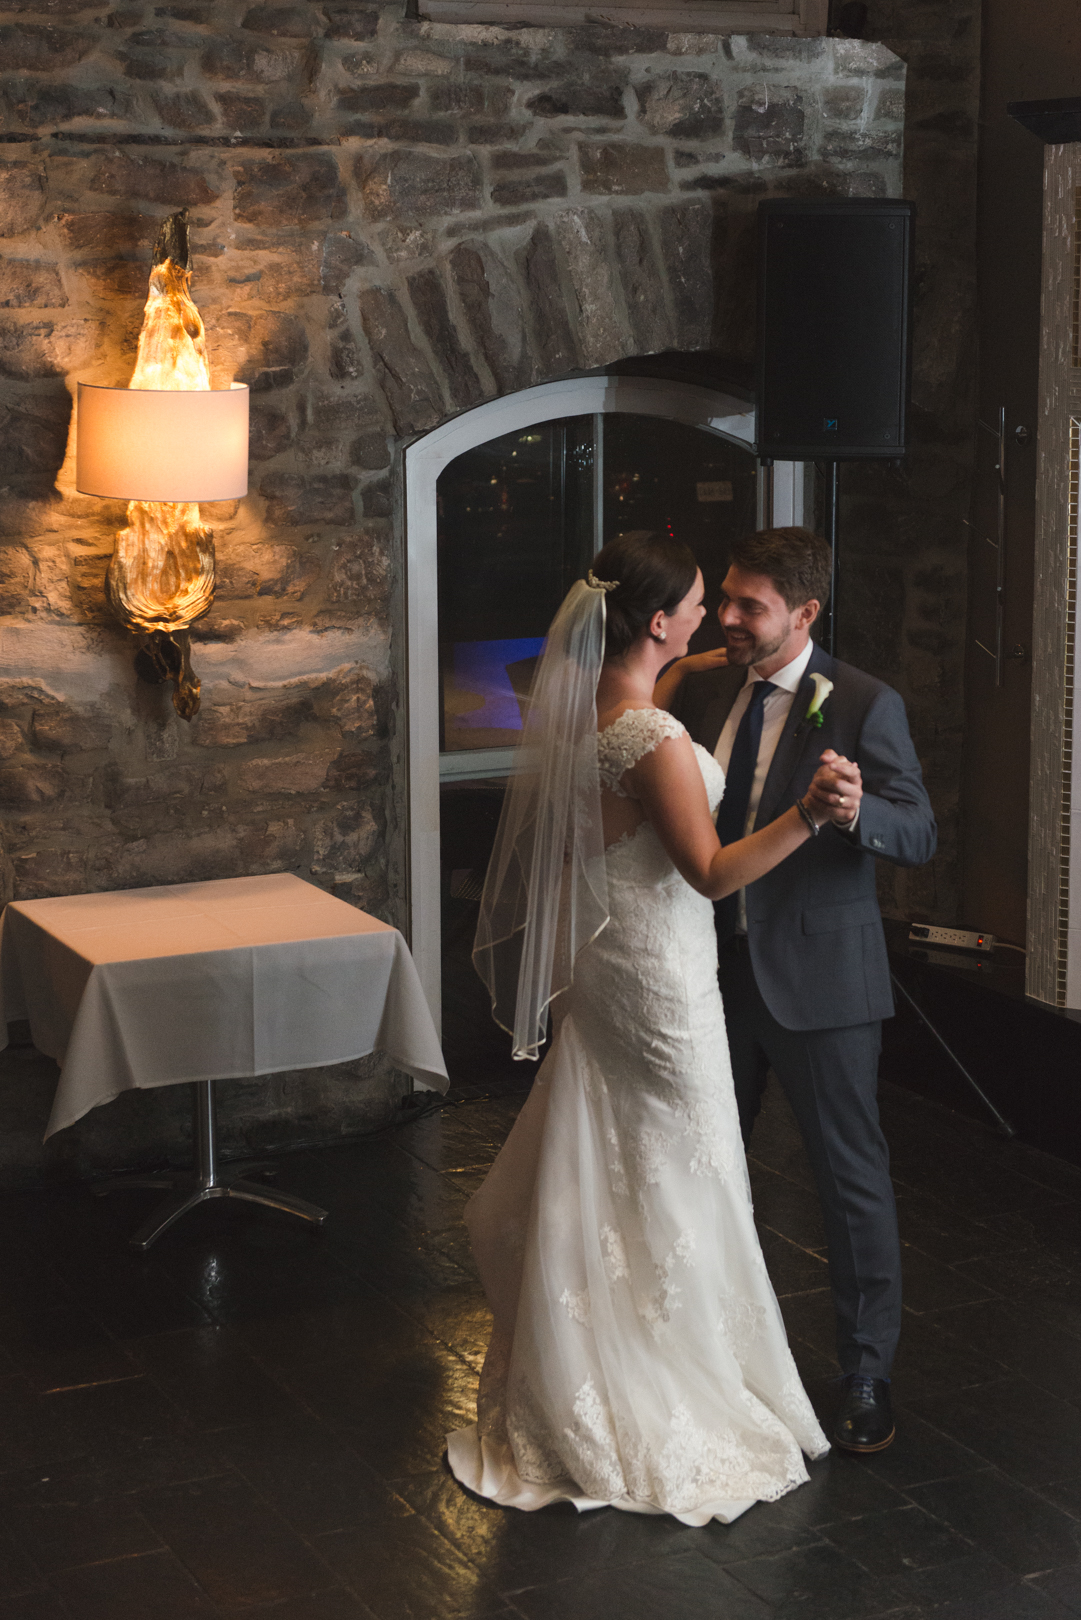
(207, 1180)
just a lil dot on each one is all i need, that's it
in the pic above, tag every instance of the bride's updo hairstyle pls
(654, 571)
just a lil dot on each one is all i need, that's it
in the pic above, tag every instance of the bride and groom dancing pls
(638, 1357)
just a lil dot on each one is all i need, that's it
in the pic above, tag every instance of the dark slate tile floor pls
(249, 1421)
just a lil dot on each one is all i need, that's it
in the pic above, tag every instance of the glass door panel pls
(515, 528)
(518, 520)
(663, 475)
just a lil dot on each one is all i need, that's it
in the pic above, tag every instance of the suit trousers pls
(830, 1077)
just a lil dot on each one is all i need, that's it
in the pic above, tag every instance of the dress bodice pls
(634, 735)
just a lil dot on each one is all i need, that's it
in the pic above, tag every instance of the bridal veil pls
(546, 893)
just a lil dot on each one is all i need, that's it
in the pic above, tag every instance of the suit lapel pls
(719, 708)
(794, 740)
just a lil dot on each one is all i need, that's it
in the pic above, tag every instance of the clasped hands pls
(836, 790)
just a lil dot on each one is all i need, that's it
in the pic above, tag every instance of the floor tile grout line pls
(801, 1247)
(272, 1512)
(452, 1546)
(444, 1344)
(93, 1383)
(975, 1304)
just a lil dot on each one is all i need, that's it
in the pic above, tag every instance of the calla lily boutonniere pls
(823, 688)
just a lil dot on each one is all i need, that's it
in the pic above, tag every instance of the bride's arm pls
(668, 783)
(697, 664)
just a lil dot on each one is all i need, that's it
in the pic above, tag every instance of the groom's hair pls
(654, 571)
(797, 562)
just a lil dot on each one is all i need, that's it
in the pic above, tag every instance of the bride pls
(638, 1358)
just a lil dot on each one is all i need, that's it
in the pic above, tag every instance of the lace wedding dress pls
(638, 1358)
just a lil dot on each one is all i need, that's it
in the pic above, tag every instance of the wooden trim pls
(1054, 850)
(814, 17)
(798, 18)
(1066, 798)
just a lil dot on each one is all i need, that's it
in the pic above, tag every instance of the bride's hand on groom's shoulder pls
(700, 663)
(837, 788)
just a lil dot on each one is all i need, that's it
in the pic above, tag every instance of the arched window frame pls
(712, 411)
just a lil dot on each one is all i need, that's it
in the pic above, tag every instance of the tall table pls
(199, 982)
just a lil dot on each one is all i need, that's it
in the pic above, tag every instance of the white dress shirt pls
(775, 711)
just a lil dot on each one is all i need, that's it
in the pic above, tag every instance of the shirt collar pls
(789, 677)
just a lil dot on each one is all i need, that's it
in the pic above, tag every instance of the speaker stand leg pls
(1005, 1128)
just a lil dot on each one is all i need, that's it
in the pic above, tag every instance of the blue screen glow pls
(480, 669)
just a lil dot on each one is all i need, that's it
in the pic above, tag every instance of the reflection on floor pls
(250, 1422)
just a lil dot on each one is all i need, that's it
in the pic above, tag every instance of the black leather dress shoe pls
(865, 1419)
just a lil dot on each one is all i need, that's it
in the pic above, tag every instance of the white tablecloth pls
(206, 981)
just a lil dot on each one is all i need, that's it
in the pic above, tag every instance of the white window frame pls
(799, 19)
(780, 502)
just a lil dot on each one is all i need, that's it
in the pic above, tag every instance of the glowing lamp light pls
(163, 444)
(139, 444)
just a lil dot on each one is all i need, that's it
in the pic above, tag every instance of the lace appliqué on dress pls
(714, 1152)
(742, 1321)
(657, 1312)
(693, 1463)
(576, 1305)
(630, 738)
(616, 1168)
(593, 1440)
(648, 1153)
(535, 1453)
(615, 1254)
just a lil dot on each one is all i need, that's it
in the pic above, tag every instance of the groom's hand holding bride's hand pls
(837, 788)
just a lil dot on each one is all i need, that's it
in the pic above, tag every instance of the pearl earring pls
(662, 636)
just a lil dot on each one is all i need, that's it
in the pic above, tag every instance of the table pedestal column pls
(207, 1180)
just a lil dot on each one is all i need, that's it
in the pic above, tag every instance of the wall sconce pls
(163, 444)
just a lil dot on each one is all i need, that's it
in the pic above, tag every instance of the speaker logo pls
(829, 424)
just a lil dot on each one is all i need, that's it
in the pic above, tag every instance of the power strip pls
(962, 939)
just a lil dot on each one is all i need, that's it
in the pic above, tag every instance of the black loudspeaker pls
(834, 328)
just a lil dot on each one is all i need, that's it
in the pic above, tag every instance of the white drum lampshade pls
(138, 444)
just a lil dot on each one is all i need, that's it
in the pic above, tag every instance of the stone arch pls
(586, 288)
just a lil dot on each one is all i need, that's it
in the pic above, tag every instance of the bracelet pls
(808, 818)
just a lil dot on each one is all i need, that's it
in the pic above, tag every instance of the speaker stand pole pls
(832, 512)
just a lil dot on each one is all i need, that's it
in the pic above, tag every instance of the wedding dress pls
(638, 1358)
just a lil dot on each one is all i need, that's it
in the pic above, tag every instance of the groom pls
(803, 966)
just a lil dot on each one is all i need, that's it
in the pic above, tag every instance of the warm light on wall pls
(165, 443)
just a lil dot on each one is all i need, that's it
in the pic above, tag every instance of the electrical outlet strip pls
(962, 939)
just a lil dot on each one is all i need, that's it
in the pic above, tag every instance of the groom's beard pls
(744, 649)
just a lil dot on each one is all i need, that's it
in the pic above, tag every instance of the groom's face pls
(757, 622)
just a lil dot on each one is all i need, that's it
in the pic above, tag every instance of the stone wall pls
(391, 221)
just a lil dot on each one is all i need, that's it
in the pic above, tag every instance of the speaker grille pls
(833, 329)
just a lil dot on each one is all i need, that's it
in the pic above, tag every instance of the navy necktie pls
(739, 780)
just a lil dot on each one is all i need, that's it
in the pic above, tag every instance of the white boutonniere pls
(823, 688)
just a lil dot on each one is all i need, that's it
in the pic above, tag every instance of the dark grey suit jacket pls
(813, 923)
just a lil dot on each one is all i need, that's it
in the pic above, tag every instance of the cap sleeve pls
(630, 738)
